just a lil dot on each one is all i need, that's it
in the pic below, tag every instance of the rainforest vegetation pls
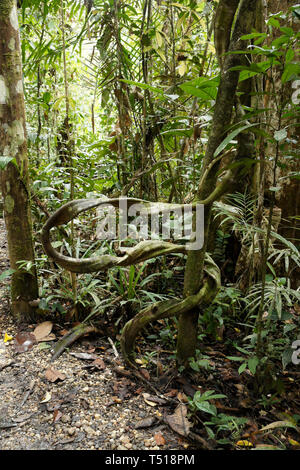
(172, 106)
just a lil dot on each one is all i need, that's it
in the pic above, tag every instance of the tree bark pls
(187, 325)
(14, 177)
(288, 197)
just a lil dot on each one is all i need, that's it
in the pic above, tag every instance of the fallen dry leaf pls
(53, 375)
(99, 363)
(240, 387)
(278, 424)
(145, 423)
(146, 397)
(145, 374)
(43, 330)
(117, 399)
(24, 341)
(178, 421)
(159, 439)
(46, 398)
(152, 400)
(84, 356)
(22, 418)
(63, 332)
(50, 337)
(182, 397)
(56, 416)
(172, 393)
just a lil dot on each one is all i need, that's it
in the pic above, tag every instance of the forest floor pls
(73, 403)
(86, 399)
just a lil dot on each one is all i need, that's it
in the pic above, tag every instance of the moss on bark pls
(14, 178)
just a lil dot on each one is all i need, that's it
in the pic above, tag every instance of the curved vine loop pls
(143, 251)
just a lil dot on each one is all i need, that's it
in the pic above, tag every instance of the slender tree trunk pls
(14, 177)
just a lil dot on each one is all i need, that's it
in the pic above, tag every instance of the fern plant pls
(237, 214)
(278, 295)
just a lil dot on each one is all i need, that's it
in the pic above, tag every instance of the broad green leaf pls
(255, 67)
(252, 364)
(290, 55)
(273, 22)
(253, 36)
(6, 274)
(144, 86)
(230, 137)
(288, 31)
(202, 88)
(245, 74)
(161, 54)
(207, 94)
(4, 161)
(46, 97)
(290, 70)
(286, 357)
(178, 132)
(235, 358)
(242, 368)
(57, 103)
(206, 407)
(210, 394)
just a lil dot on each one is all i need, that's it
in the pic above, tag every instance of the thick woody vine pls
(202, 276)
(141, 252)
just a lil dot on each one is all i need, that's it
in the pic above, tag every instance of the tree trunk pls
(288, 197)
(187, 325)
(14, 177)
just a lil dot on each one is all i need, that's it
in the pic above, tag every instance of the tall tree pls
(228, 39)
(14, 164)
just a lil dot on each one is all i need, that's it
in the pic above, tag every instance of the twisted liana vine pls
(143, 251)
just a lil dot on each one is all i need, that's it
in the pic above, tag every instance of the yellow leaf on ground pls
(7, 338)
(244, 443)
(294, 443)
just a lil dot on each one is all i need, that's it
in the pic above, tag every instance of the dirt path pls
(88, 407)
